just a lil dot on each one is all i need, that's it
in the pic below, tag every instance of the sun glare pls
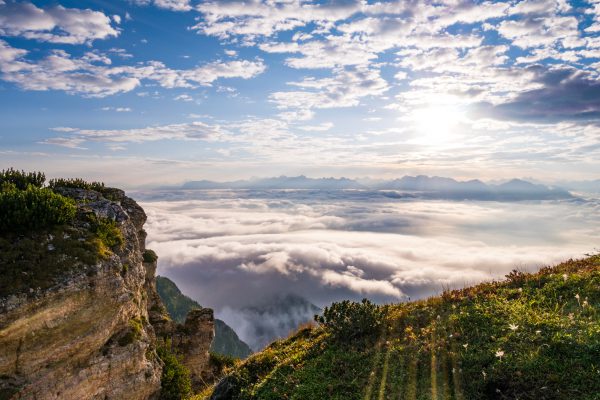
(437, 124)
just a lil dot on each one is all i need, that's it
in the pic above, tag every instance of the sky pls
(148, 92)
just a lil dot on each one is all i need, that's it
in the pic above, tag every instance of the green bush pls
(76, 183)
(348, 321)
(175, 381)
(22, 179)
(150, 256)
(33, 208)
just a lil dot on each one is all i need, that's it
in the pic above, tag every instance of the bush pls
(175, 381)
(76, 183)
(22, 179)
(150, 256)
(33, 208)
(348, 320)
(222, 361)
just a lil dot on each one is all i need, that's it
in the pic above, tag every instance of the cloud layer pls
(231, 249)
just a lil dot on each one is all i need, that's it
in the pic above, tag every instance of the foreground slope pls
(533, 336)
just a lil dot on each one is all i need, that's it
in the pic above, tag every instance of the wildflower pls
(500, 354)
(484, 374)
(513, 327)
(577, 297)
(466, 345)
(571, 316)
(520, 290)
(538, 332)
(585, 303)
(565, 277)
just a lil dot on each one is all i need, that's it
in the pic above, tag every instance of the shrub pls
(175, 381)
(348, 320)
(150, 256)
(22, 179)
(33, 208)
(76, 183)
(222, 361)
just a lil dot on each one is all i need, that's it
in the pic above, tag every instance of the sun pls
(436, 125)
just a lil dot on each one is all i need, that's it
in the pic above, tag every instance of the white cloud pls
(116, 109)
(325, 126)
(55, 24)
(173, 5)
(92, 75)
(191, 131)
(333, 245)
(344, 89)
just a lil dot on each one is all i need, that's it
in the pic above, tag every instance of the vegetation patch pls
(175, 381)
(21, 179)
(76, 183)
(33, 208)
(133, 333)
(107, 231)
(533, 336)
(348, 321)
(150, 256)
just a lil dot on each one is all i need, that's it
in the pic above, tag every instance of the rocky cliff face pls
(91, 335)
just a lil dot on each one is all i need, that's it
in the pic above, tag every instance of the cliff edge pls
(80, 317)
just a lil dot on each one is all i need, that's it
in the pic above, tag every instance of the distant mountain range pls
(178, 305)
(408, 186)
(582, 186)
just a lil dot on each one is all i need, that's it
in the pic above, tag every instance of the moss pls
(107, 231)
(134, 332)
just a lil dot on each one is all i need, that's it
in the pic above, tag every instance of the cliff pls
(226, 341)
(80, 317)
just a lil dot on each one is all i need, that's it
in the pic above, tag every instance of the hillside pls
(532, 336)
(178, 305)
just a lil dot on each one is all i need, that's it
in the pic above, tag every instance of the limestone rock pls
(91, 336)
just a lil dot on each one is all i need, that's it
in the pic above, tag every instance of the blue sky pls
(163, 91)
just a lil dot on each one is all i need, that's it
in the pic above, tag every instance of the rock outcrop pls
(93, 334)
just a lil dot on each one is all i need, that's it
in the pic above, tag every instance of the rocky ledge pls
(94, 333)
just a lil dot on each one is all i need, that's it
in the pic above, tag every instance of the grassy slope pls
(533, 336)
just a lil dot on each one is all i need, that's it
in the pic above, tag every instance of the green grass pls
(533, 336)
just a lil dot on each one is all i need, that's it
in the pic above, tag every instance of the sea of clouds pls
(230, 249)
